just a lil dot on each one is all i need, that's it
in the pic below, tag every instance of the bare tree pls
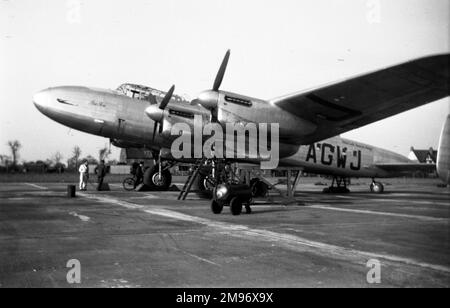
(4, 160)
(76, 155)
(15, 146)
(57, 157)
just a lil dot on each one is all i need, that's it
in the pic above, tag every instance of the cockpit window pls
(64, 101)
(143, 92)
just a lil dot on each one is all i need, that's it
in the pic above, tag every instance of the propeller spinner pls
(156, 113)
(209, 99)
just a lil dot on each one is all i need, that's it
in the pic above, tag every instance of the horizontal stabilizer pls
(407, 168)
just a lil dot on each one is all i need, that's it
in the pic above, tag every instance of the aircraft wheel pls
(205, 186)
(236, 206)
(216, 207)
(259, 188)
(377, 187)
(248, 209)
(154, 181)
(336, 190)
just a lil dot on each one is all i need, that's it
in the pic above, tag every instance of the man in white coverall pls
(84, 175)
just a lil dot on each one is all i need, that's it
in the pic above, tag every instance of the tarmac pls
(149, 239)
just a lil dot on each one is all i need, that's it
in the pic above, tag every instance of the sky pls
(277, 47)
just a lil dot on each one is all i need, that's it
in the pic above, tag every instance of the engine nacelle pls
(235, 108)
(125, 144)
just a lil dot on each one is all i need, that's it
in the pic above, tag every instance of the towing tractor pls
(236, 196)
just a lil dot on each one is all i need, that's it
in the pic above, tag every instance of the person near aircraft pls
(84, 175)
(139, 174)
(100, 170)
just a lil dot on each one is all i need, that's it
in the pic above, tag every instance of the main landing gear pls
(158, 177)
(338, 186)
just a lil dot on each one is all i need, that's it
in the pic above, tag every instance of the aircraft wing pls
(340, 107)
(402, 168)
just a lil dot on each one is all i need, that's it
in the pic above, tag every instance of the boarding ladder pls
(190, 180)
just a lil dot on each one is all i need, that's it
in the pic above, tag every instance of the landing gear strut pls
(338, 186)
(376, 187)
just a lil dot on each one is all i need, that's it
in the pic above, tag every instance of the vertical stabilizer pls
(443, 159)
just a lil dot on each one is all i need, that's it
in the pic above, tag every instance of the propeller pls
(210, 98)
(156, 113)
(221, 72)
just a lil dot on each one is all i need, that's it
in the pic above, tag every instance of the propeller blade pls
(167, 98)
(161, 127)
(214, 116)
(221, 72)
(154, 131)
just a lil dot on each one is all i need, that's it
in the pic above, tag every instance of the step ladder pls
(190, 180)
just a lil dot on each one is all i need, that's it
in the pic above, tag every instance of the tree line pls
(56, 163)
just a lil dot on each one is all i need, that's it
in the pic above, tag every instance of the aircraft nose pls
(42, 99)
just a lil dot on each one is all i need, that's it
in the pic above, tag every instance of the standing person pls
(84, 175)
(100, 170)
(139, 174)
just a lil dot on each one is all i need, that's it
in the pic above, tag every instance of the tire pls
(128, 184)
(336, 190)
(248, 209)
(216, 207)
(377, 188)
(151, 176)
(259, 188)
(236, 206)
(205, 187)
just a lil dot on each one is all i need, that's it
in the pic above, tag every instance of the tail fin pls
(443, 159)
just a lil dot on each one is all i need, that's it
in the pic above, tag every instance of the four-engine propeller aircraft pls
(310, 122)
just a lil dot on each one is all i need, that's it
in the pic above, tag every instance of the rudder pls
(443, 159)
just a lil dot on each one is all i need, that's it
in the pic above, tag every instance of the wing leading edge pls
(358, 101)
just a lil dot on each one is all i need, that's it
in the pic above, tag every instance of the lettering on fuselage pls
(333, 155)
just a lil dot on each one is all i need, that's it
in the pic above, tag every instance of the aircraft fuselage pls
(112, 115)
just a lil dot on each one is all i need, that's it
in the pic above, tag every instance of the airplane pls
(310, 122)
